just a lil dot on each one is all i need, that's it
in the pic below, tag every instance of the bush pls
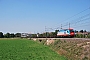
(88, 35)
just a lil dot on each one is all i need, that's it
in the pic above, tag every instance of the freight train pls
(66, 33)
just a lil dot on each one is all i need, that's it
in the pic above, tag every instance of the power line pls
(82, 25)
(79, 19)
(76, 21)
(85, 22)
(69, 24)
(83, 17)
(77, 14)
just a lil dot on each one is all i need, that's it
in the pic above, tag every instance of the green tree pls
(7, 35)
(76, 31)
(52, 34)
(44, 34)
(56, 31)
(1, 35)
(81, 31)
(40, 35)
(34, 35)
(88, 35)
(18, 35)
(12, 35)
(84, 31)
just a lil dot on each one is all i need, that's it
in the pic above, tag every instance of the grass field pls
(23, 49)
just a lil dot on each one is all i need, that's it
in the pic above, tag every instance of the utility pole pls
(45, 28)
(61, 26)
(69, 25)
(45, 32)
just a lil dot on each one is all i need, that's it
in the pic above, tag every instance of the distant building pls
(24, 35)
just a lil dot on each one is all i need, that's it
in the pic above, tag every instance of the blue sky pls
(33, 15)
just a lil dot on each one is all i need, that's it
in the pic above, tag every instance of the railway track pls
(63, 38)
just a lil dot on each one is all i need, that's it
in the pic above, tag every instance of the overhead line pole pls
(69, 25)
(61, 26)
(45, 32)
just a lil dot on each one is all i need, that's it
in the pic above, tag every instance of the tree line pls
(44, 35)
(9, 35)
(12, 35)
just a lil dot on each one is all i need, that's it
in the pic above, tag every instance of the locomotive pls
(66, 33)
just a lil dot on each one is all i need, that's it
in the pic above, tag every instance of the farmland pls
(23, 49)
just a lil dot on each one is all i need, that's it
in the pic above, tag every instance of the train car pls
(66, 33)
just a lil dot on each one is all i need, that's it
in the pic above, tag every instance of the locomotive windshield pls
(71, 30)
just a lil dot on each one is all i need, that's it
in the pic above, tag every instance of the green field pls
(23, 49)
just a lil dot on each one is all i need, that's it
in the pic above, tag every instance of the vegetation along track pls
(72, 48)
(63, 38)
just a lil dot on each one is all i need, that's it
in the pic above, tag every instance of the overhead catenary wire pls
(80, 19)
(62, 25)
(77, 22)
(81, 25)
(76, 15)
